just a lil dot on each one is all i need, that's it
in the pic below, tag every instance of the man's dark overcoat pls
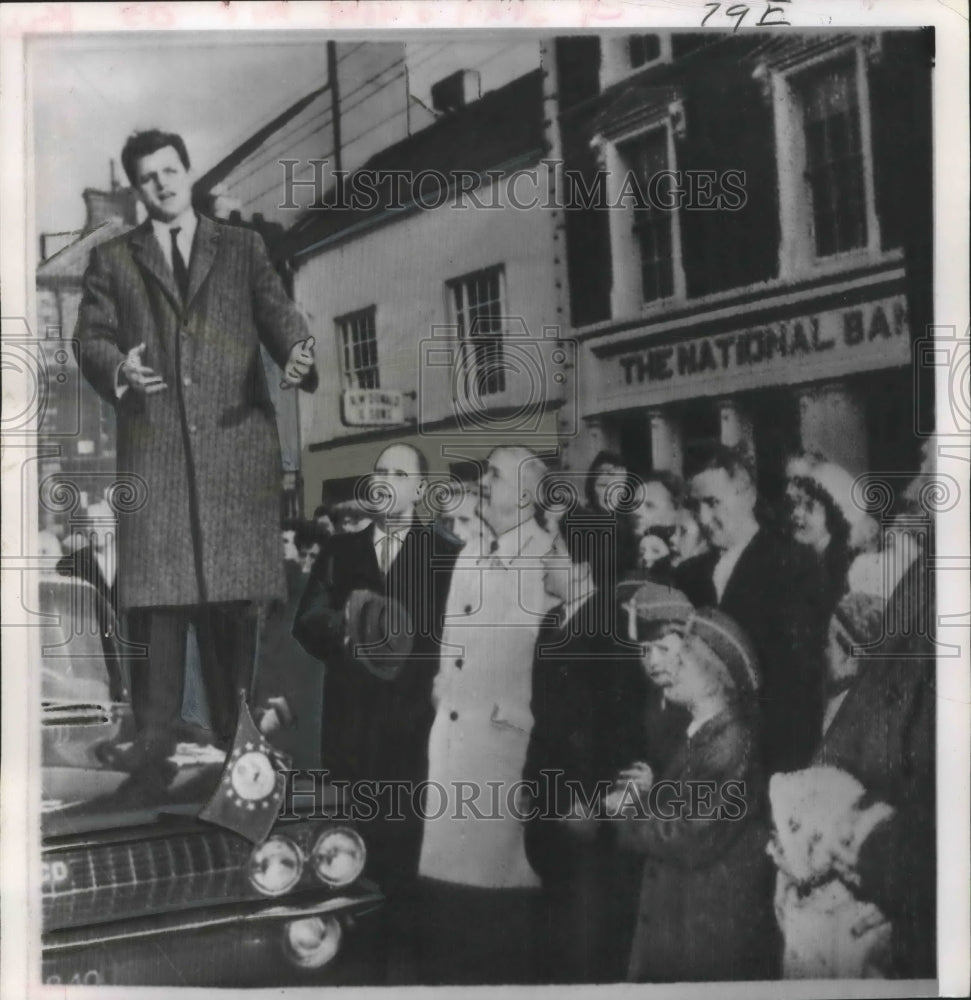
(376, 728)
(588, 703)
(202, 521)
(776, 593)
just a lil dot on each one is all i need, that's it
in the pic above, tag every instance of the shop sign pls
(372, 407)
(871, 335)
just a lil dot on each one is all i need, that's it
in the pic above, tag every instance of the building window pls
(646, 157)
(834, 158)
(477, 312)
(621, 55)
(643, 49)
(359, 349)
(827, 202)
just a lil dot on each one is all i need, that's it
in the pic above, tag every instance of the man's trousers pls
(227, 635)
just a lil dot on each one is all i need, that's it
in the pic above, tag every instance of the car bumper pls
(228, 946)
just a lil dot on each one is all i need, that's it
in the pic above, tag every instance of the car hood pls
(80, 792)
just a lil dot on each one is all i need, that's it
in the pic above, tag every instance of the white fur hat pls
(838, 484)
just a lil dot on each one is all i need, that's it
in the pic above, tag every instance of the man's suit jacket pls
(693, 578)
(375, 728)
(200, 520)
(589, 694)
(776, 593)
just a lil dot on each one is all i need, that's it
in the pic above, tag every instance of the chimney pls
(119, 203)
(456, 90)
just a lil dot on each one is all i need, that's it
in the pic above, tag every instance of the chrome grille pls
(90, 881)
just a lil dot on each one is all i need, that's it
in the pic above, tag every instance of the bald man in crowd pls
(480, 898)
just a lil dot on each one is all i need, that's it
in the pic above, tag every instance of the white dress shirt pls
(515, 542)
(832, 707)
(105, 557)
(570, 608)
(725, 566)
(387, 544)
(186, 224)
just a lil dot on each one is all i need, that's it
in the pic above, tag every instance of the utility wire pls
(267, 151)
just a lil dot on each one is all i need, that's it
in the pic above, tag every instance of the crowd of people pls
(661, 732)
(634, 720)
(744, 743)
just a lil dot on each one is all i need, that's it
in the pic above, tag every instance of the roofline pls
(215, 174)
(81, 238)
(388, 215)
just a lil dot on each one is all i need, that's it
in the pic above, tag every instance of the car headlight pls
(312, 942)
(275, 866)
(338, 856)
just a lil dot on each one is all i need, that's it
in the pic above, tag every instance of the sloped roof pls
(70, 263)
(229, 163)
(502, 126)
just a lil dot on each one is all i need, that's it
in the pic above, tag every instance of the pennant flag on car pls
(250, 790)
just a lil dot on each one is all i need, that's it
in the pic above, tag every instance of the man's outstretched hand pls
(299, 364)
(138, 376)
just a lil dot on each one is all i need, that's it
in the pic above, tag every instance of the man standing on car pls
(170, 327)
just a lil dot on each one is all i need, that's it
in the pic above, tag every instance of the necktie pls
(179, 269)
(384, 551)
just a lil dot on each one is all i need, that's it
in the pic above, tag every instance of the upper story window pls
(646, 157)
(643, 49)
(359, 349)
(835, 169)
(623, 54)
(477, 305)
(645, 227)
(826, 187)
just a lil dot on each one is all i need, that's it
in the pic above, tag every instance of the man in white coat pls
(480, 895)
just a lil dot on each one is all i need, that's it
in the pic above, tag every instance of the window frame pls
(350, 375)
(627, 294)
(662, 49)
(466, 361)
(797, 252)
(615, 63)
